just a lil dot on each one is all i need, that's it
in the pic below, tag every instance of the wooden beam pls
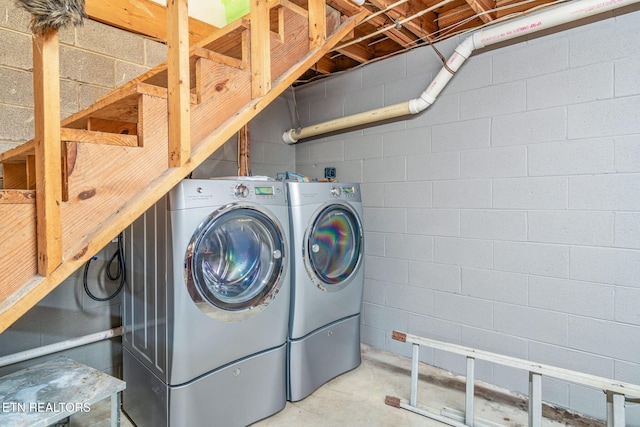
(417, 27)
(17, 196)
(46, 90)
(244, 151)
(317, 23)
(454, 16)
(357, 52)
(325, 65)
(96, 137)
(217, 57)
(179, 93)
(481, 7)
(402, 36)
(260, 48)
(143, 17)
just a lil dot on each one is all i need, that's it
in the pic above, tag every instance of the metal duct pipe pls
(563, 14)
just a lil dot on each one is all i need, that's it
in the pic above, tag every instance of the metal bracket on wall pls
(617, 392)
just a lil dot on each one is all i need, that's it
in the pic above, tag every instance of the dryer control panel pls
(308, 193)
(342, 190)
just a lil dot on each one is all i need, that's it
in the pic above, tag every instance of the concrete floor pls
(357, 398)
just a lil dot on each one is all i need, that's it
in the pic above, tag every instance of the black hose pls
(119, 273)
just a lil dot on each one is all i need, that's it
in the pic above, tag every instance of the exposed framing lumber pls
(317, 23)
(357, 52)
(400, 13)
(179, 93)
(17, 196)
(81, 135)
(244, 151)
(260, 48)
(481, 7)
(143, 17)
(35, 289)
(46, 89)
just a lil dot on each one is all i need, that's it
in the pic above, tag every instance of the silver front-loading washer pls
(206, 305)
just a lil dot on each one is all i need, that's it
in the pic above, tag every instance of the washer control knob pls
(241, 190)
(335, 191)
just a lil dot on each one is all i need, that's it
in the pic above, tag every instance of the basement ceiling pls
(395, 26)
(390, 28)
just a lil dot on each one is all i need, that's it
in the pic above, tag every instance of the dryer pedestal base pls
(238, 394)
(322, 355)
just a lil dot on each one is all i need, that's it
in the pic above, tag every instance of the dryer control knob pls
(241, 190)
(335, 191)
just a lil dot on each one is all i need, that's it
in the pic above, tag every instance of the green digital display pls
(348, 190)
(264, 191)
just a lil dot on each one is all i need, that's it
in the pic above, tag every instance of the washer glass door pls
(334, 247)
(235, 262)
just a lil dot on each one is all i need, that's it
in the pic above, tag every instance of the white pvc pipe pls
(549, 18)
(60, 346)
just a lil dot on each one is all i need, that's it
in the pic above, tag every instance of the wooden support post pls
(46, 91)
(260, 48)
(244, 151)
(179, 91)
(317, 23)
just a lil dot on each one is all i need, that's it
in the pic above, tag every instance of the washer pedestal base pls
(322, 355)
(238, 394)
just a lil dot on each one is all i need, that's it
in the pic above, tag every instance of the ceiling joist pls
(390, 27)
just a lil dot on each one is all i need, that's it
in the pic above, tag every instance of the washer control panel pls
(196, 193)
(249, 191)
(347, 191)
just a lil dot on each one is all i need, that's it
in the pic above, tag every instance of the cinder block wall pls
(507, 216)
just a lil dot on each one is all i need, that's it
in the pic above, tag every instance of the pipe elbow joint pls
(467, 47)
(288, 137)
(420, 104)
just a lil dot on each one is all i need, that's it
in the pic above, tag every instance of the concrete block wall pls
(507, 216)
(94, 59)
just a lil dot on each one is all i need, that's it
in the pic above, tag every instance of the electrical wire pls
(119, 273)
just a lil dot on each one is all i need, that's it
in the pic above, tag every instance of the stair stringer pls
(116, 214)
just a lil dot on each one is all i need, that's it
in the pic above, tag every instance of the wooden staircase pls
(116, 156)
